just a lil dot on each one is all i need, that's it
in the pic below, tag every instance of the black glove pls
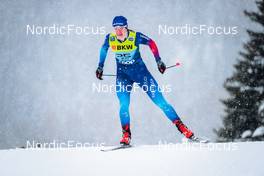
(99, 73)
(161, 66)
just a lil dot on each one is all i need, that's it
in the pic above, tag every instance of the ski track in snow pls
(243, 159)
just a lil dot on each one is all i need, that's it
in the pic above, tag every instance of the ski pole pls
(109, 75)
(175, 65)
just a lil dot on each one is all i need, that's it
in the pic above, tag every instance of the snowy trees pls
(244, 107)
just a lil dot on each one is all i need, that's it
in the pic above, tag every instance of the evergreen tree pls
(246, 86)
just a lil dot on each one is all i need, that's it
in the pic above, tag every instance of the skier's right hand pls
(99, 73)
(161, 66)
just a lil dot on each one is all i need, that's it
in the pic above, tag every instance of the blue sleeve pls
(142, 39)
(103, 51)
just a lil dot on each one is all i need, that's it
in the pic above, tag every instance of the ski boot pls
(126, 137)
(183, 129)
(188, 133)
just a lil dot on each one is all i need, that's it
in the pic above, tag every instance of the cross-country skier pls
(131, 69)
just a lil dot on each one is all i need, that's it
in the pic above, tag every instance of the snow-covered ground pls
(158, 160)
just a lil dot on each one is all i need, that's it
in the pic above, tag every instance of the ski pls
(116, 148)
(195, 139)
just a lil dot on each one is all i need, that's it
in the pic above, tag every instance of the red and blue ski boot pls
(188, 133)
(126, 137)
(183, 129)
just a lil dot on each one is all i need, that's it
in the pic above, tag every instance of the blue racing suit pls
(131, 69)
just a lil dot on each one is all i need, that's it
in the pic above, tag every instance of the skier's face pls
(120, 30)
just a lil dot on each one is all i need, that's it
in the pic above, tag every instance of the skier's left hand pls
(99, 73)
(161, 66)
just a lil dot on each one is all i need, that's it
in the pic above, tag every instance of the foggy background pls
(46, 80)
